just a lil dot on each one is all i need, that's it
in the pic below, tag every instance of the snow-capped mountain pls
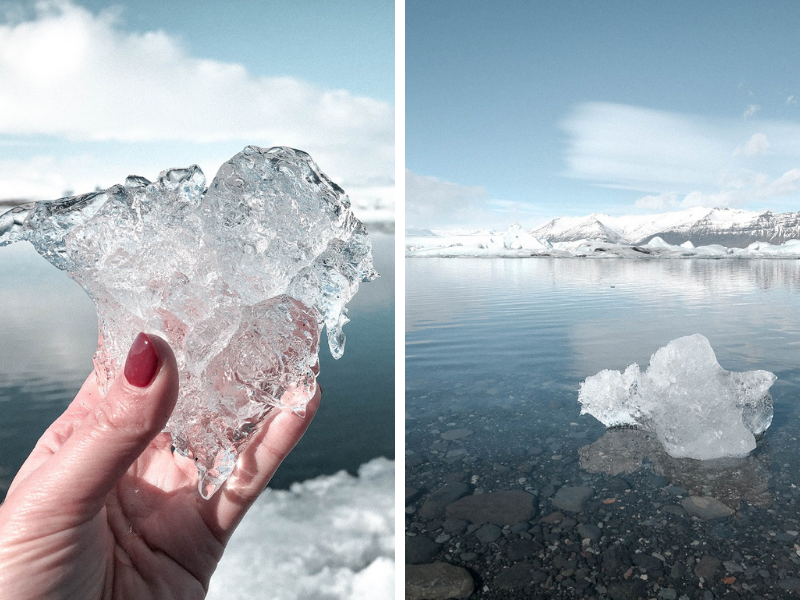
(729, 227)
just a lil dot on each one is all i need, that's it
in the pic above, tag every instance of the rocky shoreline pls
(496, 512)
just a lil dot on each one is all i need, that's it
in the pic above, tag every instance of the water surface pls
(499, 347)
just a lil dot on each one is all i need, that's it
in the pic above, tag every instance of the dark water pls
(500, 347)
(48, 333)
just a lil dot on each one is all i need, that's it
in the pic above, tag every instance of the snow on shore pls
(518, 244)
(330, 537)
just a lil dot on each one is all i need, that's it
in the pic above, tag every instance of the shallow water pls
(499, 347)
(49, 333)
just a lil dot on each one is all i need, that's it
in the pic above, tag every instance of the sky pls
(92, 91)
(526, 111)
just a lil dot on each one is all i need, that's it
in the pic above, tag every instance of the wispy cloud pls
(665, 201)
(750, 110)
(791, 100)
(71, 74)
(679, 160)
(438, 204)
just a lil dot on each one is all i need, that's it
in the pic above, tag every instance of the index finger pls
(61, 429)
(255, 467)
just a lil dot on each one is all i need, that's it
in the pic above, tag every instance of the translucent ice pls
(239, 277)
(730, 479)
(695, 407)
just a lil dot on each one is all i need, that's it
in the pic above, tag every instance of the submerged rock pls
(572, 498)
(518, 576)
(420, 549)
(695, 407)
(497, 508)
(435, 503)
(437, 581)
(706, 507)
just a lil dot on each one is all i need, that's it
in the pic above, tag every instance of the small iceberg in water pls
(696, 408)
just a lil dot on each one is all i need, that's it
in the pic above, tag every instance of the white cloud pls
(757, 144)
(78, 76)
(751, 110)
(437, 204)
(665, 201)
(791, 100)
(678, 160)
(785, 184)
(734, 192)
(641, 148)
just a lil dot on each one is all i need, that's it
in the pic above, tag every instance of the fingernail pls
(141, 365)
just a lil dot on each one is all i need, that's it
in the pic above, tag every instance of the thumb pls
(120, 427)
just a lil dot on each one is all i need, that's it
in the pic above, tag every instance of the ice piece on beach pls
(695, 407)
(239, 277)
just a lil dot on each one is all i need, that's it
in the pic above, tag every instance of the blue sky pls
(94, 90)
(524, 111)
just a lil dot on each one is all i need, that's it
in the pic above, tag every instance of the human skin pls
(102, 508)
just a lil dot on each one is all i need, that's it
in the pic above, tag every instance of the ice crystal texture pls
(695, 407)
(239, 278)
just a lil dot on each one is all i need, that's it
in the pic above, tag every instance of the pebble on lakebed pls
(663, 535)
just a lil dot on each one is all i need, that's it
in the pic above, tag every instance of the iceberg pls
(239, 278)
(516, 238)
(696, 408)
(515, 242)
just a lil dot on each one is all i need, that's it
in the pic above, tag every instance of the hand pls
(103, 509)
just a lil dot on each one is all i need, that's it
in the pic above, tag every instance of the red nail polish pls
(141, 365)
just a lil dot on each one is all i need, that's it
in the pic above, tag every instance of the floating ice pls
(239, 278)
(695, 407)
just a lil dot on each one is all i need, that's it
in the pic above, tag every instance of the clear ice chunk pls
(239, 278)
(696, 408)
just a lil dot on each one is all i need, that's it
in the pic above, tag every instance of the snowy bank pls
(375, 210)
(330, 537)
(515, 243)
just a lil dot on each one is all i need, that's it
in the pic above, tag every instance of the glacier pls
(239, 277)
(696, 408)
(699, 232)
(729, 227)
(488, 244)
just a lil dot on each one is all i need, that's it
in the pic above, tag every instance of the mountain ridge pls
(702, 226)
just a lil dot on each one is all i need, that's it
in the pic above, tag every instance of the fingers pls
(116, 430)
(256, 466)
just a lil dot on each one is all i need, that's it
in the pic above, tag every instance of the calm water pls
(495, 353)
(494, 332)
(48, 333)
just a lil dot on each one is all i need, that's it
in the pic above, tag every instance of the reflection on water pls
(729, 480)
(49, 327)
(692, 281)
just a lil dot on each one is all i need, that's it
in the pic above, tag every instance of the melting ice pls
(239, 277)
(695, 407)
